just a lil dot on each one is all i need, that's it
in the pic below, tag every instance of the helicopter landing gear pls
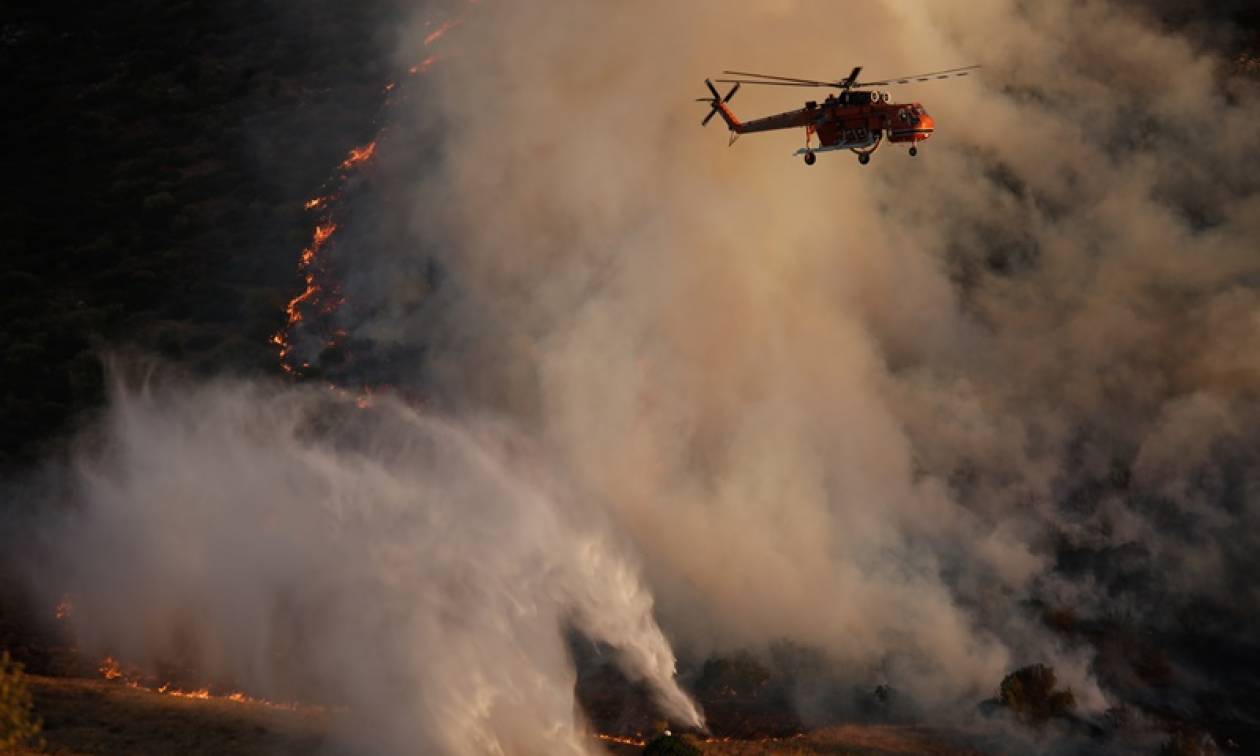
(810, 158)
(914, 151)
(864, 157)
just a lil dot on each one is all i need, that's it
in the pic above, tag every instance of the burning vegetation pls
(317, 304)
(133, 677)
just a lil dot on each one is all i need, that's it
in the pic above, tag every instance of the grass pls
(91, 716)
(83, 716)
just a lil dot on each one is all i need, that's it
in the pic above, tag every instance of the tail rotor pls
(717, 101)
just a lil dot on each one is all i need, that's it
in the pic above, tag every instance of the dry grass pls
(91, 716)
(863, 740)
(101, 717)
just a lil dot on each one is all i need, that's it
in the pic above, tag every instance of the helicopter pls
(858, 118)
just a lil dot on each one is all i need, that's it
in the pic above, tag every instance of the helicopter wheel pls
(810, 158)
(914, 151)
(864, 158)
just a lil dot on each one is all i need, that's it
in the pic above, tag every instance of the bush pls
(1029, 693)
(1189, 743)
(671, 745)
(18, 724)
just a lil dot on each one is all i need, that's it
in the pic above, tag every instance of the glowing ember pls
(316, 203)
(64, 608)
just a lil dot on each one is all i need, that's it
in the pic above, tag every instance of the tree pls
(18, 724)
(1030, 694)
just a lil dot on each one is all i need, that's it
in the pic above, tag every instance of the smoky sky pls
(873, 410)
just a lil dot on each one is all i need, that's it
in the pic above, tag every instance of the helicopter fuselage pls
(845, 126)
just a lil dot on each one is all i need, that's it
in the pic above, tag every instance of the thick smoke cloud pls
(874, 411)
(869, 410)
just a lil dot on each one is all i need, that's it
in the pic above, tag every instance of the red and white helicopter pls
(859, 118)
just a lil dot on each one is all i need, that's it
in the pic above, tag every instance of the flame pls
(322, 234)
(110, 669)
(359, 155)
(320, 297)
(64, 608)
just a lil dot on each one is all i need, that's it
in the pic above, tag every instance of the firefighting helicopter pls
(859, 118)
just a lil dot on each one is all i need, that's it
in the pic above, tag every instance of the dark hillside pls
(157, 157)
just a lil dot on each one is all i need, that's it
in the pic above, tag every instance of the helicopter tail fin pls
(718, 106)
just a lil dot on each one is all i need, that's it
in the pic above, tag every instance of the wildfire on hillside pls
(321, 294)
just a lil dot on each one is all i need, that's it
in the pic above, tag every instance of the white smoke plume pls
(423, 574)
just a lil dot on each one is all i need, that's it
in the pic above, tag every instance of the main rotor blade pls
(852, 77)
(813, 82)
(948, 73)
(775, 83)
(712, 89)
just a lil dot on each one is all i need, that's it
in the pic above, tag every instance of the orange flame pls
(326, 299)
(322, 234)
(359, 155)
(109, 668)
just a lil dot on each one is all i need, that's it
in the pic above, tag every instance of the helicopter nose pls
(925, 126)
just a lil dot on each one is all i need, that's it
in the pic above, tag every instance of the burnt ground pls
(86, 716)
(93, 716)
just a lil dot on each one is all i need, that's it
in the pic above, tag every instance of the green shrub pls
(18, 724)
(1030, 694)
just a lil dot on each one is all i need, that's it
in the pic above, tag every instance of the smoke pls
(877, 411)
(421, 573)
(868, 409)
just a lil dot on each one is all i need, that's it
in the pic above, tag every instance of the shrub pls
(1189, 743)
(18, 724)
(1029, 693)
